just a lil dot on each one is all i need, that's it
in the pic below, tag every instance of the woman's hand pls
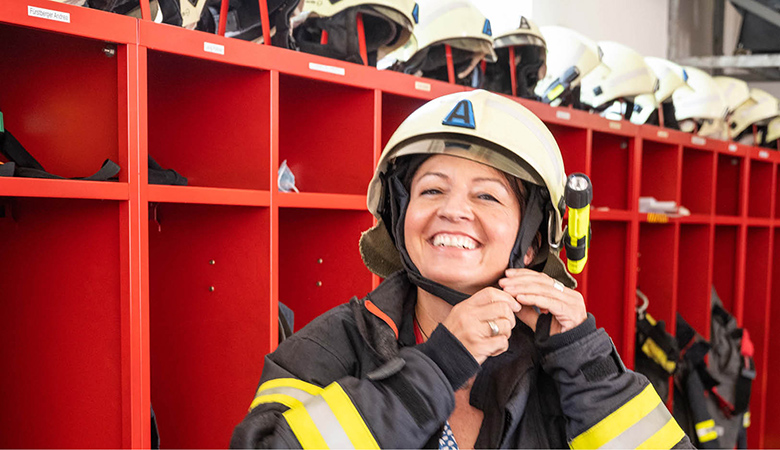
(470, 322)
(532, 288)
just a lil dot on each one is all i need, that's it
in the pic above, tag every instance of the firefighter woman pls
(475, 338)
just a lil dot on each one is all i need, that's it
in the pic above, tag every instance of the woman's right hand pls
(469, 321)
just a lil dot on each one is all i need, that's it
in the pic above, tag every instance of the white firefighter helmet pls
(530, 51)
(700, 98)
(758, 108)
(570, 56)
(644, 105)
(773, 130)
(388, 23)
(626, 76)
(527, 33)
(670, 76)
(735, 91)
(473, 125)
(456, 23)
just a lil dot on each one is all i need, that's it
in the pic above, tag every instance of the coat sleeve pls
(311, 394)
(606, 405)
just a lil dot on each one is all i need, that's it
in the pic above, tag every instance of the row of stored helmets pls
(553, 64)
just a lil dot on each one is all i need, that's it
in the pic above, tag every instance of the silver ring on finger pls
(493, 328)
(558, 285)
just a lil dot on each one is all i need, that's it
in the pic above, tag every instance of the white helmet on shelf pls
(625, 75)
(772, 133)
(700, 98)
(670, 76)
(756, 110)
(530, 52)
(458, 24)
(570, 56)
(735, 91)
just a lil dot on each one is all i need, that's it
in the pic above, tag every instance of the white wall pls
(640, 24)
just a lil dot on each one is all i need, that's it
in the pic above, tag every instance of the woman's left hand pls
(531, 288)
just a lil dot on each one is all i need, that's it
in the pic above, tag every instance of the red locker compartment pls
(211, 318)
(61, 326)
(208, 121)
(326, 134)
(319, 261)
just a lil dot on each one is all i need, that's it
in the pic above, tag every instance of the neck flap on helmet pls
(395, 201)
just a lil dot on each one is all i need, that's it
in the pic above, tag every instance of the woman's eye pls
(431, 191)
(488, 197)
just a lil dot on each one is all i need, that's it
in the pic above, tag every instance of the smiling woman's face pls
(461, 223)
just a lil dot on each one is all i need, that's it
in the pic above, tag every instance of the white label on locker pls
(420, 86)
(763, 154)
(662, 134)
(327, 69)
(48, 14)
(698, 140)
(614, 125)
(213, 48)
(565, 115)
(732, 147)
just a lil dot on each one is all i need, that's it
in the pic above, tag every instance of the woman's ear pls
(533, 249)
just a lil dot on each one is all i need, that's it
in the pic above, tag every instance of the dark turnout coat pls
(355, 378)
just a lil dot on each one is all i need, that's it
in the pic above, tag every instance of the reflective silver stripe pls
(297, 394)
(327, 423)
(638, 72)
(642, 430)
(534, 127)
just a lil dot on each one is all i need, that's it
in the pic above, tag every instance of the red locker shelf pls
(612, 214)
(208, 196)
(320, 201)
(35, 187)
(169, 294)
(695, 219)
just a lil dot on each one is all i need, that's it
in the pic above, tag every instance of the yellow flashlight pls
(578, 195)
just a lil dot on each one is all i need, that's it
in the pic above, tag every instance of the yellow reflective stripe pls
(746, 419)
(666, 437)
(705, 430)
(304, 429)
(285, 400)
(652, 350)
(555, 92)
(290, 383)
(349, 417)
(619, 421)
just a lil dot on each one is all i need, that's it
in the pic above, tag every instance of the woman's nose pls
(456, 207)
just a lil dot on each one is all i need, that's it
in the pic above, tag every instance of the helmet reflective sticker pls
(486, 29)
(524, 23)
(462, 115)
(416, 13)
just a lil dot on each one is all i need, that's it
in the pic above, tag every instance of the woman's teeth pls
(459, 241)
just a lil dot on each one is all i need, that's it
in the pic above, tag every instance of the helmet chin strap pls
(398, 203)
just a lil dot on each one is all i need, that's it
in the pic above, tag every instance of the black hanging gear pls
(25, 166)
